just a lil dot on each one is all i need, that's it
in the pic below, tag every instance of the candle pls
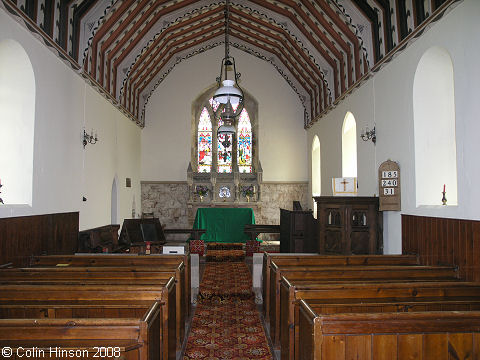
(443, 187)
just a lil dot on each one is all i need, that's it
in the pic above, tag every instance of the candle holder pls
(444, 199)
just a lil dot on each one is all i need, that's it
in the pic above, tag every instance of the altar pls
(224, 224)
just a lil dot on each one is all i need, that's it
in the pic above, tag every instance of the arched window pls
(222, 152)
(349, 146)
(17, 120)
(244, 145)
(204, 142)
(316, 172)
(434, 126)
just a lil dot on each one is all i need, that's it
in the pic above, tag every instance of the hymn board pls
(389, 186)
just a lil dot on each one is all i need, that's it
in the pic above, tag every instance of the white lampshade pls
(226, 92)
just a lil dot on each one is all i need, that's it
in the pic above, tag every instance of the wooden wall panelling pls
(22, 237)
(442, 241)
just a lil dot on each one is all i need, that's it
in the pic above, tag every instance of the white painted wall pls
(387, 100)
(166, 140)
(63, 170)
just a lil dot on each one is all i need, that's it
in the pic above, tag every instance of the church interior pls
(290, 179)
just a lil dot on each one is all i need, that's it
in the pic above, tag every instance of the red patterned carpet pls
(226, 324)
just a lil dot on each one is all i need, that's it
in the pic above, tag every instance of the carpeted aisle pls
(226, 324)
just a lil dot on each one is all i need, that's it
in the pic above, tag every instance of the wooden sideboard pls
(349, 225)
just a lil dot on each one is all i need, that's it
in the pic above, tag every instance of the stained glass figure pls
(204, 142)
(244, 148)
(224, 152)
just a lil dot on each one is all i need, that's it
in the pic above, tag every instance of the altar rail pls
(442, 241)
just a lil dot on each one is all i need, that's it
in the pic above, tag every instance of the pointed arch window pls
(244, 146)
(349, 146)
(204, 152)
(224, 153)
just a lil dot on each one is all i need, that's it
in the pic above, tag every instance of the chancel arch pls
(349, 146)
(434, 126)
(17, 121)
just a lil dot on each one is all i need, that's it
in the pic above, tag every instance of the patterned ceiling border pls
(151, 41)
(349, 20)
(439, 13)
(96, 27)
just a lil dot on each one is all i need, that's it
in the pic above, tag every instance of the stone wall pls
(169, 202)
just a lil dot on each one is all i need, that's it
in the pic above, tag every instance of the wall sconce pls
(89, 139)
(369, 135)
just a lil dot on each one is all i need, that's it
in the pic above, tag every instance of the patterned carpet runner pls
(226, 324)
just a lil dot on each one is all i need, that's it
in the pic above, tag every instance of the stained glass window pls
(204, 142)
(214, 104)
(224, 152)
(244, 149)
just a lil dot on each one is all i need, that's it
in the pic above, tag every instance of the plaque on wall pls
(389, 186)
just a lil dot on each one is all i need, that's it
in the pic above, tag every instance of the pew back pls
(326, 260)
(112, 260)
(106, 275)
(318, 274)
(139, 335)
(359, 296)
(381, 336)
(111, 294)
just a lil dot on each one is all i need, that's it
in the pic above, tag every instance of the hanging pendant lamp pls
(229, 94)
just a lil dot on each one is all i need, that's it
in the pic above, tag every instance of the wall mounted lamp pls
(369, 135)
(89, 139)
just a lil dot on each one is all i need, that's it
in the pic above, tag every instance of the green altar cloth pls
(224, 224)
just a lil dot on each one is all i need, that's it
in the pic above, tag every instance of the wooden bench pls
(356, 294)
(112, 260)
(312, 274)
(134, 338)
(135, 335)
(327, 260)
(389, 336)
(106, 275)
(75, 294)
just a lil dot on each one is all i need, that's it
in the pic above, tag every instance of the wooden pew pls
(327, 260)
(387, 336)
(358, 293)
(84, 337)
(76, 294)
(106, 275)
(113, 260)
(312, 274)
(135, 336)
